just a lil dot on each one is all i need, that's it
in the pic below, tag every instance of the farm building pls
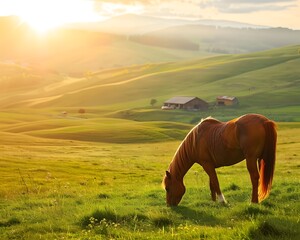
(227, 101)
(188, 103)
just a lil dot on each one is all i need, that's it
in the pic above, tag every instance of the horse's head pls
(174, 189)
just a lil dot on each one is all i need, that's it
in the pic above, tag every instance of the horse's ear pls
(168, 174)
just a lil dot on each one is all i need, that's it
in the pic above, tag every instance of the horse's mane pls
(208, 119)
(186, 153)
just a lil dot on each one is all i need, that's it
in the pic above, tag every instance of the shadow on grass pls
(275, 228)
(11, 222)
(197, 216)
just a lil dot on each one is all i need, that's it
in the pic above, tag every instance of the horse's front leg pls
(254, 175)
(214, 183)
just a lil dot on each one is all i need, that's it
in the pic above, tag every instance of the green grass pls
(94, 129)
(97, 175)
(265, 80)
(70, 188)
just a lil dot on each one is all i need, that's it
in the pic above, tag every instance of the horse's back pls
(227, 143)
(251, 133)
(219, 143)
(251, 125)
(251, 119)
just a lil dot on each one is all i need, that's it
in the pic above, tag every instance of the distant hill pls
(77, 51)
(213, 36)
(263, 80)
(129, 24)
(129, 40)
(132, 24)
(222, 40)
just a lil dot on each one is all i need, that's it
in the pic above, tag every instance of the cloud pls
(191, 8)
(128, 2)
(156, 2)
(251, 1)
(111, 8)
(162, 8)
(247, 6)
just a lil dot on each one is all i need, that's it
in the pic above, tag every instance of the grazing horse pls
(214, 144)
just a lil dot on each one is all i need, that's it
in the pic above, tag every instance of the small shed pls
(188, 103)
(227, 101)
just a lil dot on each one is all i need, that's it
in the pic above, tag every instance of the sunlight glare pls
(43, 15)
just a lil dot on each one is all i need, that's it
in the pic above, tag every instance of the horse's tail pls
(267, 161)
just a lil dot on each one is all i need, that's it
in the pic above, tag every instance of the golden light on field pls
(43, 15)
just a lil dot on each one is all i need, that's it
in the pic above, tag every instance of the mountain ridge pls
(76, 52)
(133, 24)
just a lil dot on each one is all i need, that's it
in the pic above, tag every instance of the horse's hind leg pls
(214, 183)
(254, 175)
(212, 190)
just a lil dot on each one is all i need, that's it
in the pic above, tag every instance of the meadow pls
(265, 81)
(98, 176)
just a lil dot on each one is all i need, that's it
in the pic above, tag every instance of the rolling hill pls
(222, 40)
(133, 24)
(212, 36)
(266, 79)
(77, 50)
(117, 101)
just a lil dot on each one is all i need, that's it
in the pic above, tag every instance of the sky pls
(46, 14)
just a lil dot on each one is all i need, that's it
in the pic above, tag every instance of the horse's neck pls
(182, 161)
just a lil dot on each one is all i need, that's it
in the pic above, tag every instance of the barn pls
(188, 103)
(226, 101)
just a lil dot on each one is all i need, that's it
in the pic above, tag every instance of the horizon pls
(44, 15)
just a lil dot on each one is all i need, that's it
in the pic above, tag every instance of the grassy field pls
(97, 177)
(97, 174)
(265, 80)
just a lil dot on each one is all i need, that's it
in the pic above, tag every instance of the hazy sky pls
(277, 13)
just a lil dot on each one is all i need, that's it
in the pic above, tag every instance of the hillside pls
(132, 24)
(77, 50)
(220, 39)
(213, 36)
(56, 187)
(263, 80)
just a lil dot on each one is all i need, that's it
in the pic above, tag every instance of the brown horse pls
(214, 144)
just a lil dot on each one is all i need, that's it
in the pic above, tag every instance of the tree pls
(153, 102)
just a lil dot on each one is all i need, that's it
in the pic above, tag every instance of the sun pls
(44, 15)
